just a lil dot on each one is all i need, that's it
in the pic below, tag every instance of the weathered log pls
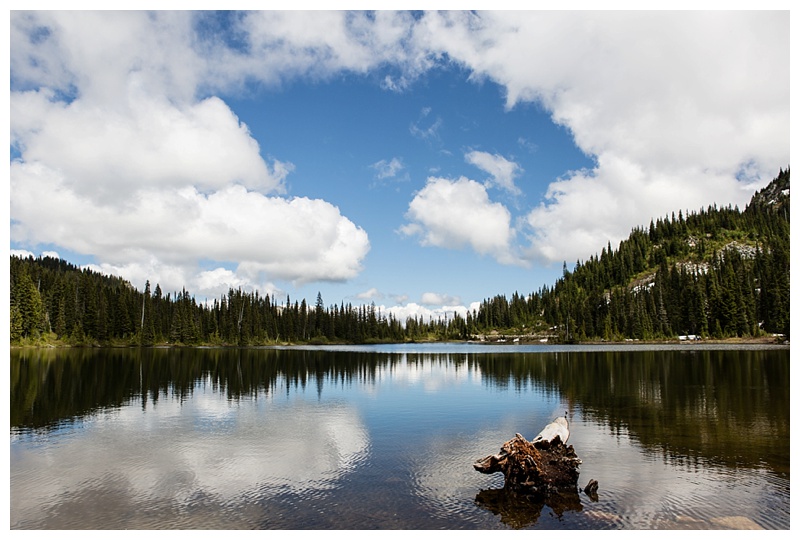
(545, 463)
(558, 428)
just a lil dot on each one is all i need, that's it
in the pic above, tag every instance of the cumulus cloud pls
(697, 111)
(118, 158)
(99, 55)
(108, 154)
(680, 103)
(400, 298)
(437, 299)
(502, 171)
(22, 253)
(586, 207)
(164, 233)
(115, 113)
(455, 214)
(370, 294)
(414, 310)
(286, 44)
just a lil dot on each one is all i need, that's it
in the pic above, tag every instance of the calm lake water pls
(384, 437)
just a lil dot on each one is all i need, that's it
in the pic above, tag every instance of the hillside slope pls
(719, 272)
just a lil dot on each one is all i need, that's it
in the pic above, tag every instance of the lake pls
(384, 437)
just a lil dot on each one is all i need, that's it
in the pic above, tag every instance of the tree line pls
(52, 297)
(719, 272)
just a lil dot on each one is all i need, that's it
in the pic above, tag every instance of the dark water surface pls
(384, 437)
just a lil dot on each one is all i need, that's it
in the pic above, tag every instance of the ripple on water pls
(443, 477)
(380, 454)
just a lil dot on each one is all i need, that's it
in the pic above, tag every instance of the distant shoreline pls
(765, 340)
(772, 341)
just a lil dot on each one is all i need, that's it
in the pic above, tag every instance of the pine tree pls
(147, 329)
(16, 324)
(28, 302)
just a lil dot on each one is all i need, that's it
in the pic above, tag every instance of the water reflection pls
(684, 404)
(200, 448)
(519, 510)
(687, 405)
(310, 438)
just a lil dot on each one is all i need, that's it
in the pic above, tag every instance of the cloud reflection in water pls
(205, 448)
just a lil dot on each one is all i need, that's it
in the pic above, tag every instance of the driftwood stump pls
(545, 464)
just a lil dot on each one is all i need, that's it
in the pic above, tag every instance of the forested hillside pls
(719, 272)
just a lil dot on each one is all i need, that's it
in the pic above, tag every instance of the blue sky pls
(422, 162)
(344, 136)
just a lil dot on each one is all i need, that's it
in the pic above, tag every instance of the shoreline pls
(764, 340)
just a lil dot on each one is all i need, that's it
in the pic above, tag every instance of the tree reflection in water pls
(521, 509)
(190, 438)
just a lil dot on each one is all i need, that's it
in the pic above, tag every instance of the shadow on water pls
(520, 510)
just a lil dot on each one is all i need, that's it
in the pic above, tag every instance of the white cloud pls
(502, 171)
(113, 112)
(22, 253)
(387, 169)
(680, 102)
(685, 102)
(437, 299)
(119, 159)
(297, 239)
(110, 154)
(528, 145)
(400, 298)
(211, 280)
(412, 309)
(455, 214)
(424, 129)
(170, 277)
(587, 208)
(370, 294)
(395, 84)
(285, 44)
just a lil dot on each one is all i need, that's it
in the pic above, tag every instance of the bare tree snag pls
(544, 464)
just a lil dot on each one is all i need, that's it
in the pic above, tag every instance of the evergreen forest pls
(713, 273)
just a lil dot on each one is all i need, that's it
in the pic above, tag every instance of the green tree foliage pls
(719, 272)
(84, 307)
(27, 307)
